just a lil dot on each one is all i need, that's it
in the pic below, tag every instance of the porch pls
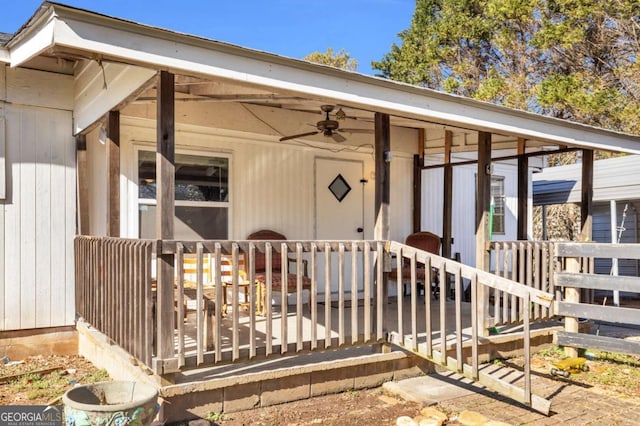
(366, 316)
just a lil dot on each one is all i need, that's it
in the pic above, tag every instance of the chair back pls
(426, 241)
(266, 235)
(190, 267)
(226, 269)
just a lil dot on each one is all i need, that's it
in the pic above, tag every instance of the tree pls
(572, 59)
(340, 59)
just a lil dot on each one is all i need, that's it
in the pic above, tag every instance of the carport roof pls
(613, 179)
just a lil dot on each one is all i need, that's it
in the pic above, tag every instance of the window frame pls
(503, 198)
(183, 203)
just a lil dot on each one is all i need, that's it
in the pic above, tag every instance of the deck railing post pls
(571, 295)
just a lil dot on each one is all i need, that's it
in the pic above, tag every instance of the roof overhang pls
(69, 32)
(4, 55)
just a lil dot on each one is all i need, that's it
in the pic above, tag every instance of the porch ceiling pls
(303, 112)
(211, 72)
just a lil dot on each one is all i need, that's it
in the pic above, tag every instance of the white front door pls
(339, 215)
(339, 199)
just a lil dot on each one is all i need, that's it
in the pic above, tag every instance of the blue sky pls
(364, 28)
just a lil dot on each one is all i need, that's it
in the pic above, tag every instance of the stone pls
(405, 421)
(427, 421)
(497, 423)
(388, 400)
(471, 418)
(433, 413)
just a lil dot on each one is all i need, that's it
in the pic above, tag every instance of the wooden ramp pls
(507, 381)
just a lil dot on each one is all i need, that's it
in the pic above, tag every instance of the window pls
(201, 194)
(497, 196)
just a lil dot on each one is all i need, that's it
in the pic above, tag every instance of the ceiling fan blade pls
(300, 135)
(338, 137)
(355, 130)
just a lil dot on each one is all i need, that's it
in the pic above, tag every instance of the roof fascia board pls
(4, 55)
(147, 46)
(34, 39)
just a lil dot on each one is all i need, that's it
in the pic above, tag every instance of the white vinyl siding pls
(37, 214)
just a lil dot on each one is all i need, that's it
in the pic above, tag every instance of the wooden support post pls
(82, 184)
(382, 154)
(165, 194)
(447, 204)
(523, 192)
(586, 208)
(571, 295)
(113, 172)
(418, 162)
(483, 195)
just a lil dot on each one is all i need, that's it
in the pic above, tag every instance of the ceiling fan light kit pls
(328, 127)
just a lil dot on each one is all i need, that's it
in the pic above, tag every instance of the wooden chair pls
(226, 278)
(277, 280)
(426, 241)
(190, 280)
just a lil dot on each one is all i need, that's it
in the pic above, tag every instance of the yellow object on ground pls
(567, 366)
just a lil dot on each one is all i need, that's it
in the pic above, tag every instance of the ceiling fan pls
(327, 127)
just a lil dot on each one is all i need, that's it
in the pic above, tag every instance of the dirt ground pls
(362, 407)
(43, 380)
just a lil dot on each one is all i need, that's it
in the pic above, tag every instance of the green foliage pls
(552, 352)
(54, 384)
(214, 416)
(571, 59)
(340, 59)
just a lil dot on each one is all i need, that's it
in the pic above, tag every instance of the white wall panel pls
(464, 205)
(272, 183)
(432, 200)
(401, 209)
(39, 88)
(39, 219)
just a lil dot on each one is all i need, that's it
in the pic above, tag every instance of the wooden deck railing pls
(113, 290)
(481, 283)
(116, 293)
(530, 263)
(221, 336)
(573, 279)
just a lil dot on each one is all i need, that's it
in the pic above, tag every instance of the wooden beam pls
(571, 296)
(523, 192)
(602, 343)
(447, 204)
(586, 207)
(483, 200)
(82, 184)
(381, 232)
(483, 195)
(113, 173)
(598, 250)
(382, 153)
(503, 158)
(418, 162)
(612, 314)
(598, 282)
(165, 211)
